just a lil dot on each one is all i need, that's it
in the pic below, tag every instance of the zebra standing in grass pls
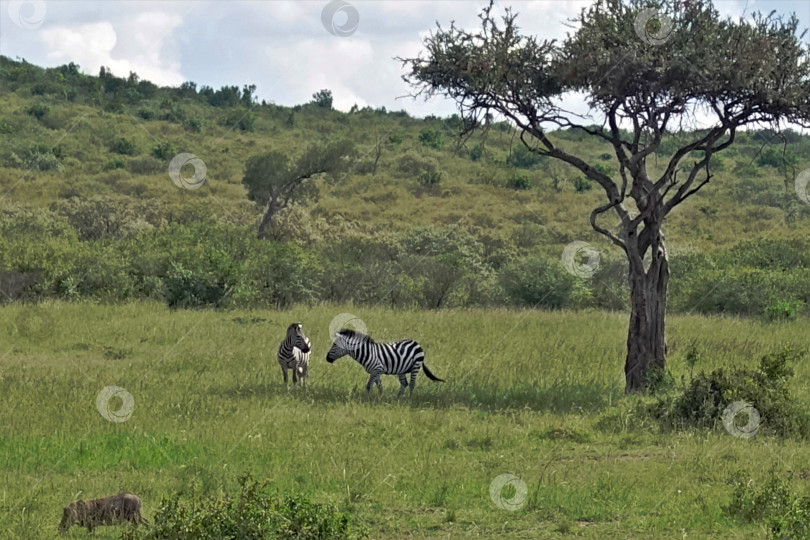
(293, 353)
(400, 358)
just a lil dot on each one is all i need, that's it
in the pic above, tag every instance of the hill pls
(88, 156)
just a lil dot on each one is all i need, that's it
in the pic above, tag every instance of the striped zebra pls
(400, 358)
(293, 353)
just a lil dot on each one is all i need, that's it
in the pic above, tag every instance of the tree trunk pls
(646, 344)
(272, 208)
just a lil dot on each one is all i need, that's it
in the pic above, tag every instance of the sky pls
(288, 49)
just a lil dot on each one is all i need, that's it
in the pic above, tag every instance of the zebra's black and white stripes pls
(400, 358)
(293, 353)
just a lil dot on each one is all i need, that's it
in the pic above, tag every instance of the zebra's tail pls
(430, 375)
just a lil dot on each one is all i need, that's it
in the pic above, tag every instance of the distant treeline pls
(91, 250)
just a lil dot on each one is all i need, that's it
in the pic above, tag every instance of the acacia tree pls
(647, 68)
(273, 182)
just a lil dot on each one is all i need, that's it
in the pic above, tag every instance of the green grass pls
(535, 394)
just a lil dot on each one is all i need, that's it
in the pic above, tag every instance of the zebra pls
(293, 353)
(398, 358)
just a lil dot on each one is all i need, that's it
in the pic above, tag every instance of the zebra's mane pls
(349, 333)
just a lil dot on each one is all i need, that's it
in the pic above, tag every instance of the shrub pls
(773, 501)
(582, 184)
(429, 178)
(412, 165)
(147, 114)
(163, 150)
(38, 110)
(524, 158)
(145, 165)
(322, 98)
(519, 181)
(782, 310)
(606, 156)
(115, 163)
(702, 401)
(254, 514)
(124, 146)
(432, 138)
(535, 281)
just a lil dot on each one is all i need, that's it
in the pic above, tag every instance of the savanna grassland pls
(112, 275)
(535, 394)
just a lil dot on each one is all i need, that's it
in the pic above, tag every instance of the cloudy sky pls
(289, 49)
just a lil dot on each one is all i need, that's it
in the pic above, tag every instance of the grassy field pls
(534, 394)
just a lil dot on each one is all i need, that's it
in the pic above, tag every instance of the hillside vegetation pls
(422, 218)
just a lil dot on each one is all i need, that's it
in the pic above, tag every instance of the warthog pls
(124, 507)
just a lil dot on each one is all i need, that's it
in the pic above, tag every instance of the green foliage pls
(432, 137)
(778, 158)
(704, 398)
(322, 98)
(124, 146)
(242, 119)
(537, 282)
(429, 178)
(519, 182)
(773, 501)
(254, 514)
(38, 157)
(38, 110)
(524, 158)
(582, 184)
(163, 150)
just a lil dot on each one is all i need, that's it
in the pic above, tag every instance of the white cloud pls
(137, 45)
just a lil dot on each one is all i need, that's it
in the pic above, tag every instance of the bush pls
(429, 178)
(432, 138)
(701, 402)
(38, 110)
(254, 514)
(163, 150)
(124, 146)
(413, 165)
(519, 182)
(146, 165)
(147, 114)
(582, 184)
(535, 281)
(524, 158)
(773, 501)
(115, 163)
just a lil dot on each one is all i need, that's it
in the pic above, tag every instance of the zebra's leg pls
(295, 374)
(403, 383)
(370, 383)
(379, 383)
(414, 374)
(284, 371)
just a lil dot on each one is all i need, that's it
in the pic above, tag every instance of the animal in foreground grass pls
(400, 358)
(121, 508)
(293, 353)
